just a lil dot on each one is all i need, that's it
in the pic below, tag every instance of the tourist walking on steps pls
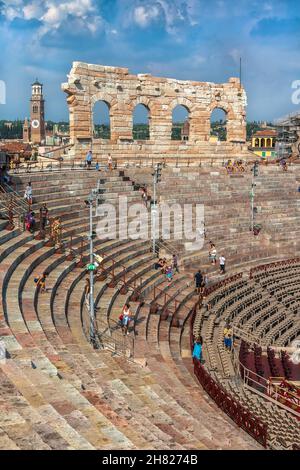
(89, 158)
(283, 164)
(203, 284)
(145, 197)
(212, 253)
(198, 281)
(30, 222)
(43, 216)
(126, 317)
(56, 231)
(175, 263)
(227, 337)
(222, 262)
(28, 193)
(110, 162)
(197, 350)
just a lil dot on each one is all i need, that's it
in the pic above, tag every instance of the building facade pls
(263, 143)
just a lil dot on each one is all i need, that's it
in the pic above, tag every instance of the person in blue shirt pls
(88, 159)
(197, 350)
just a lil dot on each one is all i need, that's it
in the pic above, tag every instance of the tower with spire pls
(26, 131)
(35, 131)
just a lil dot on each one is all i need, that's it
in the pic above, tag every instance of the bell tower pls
(26, 131)
(37, 113)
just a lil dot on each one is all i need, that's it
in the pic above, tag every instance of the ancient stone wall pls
(122, 91)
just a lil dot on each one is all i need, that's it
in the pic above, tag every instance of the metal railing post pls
(112, 283)
(50, 242)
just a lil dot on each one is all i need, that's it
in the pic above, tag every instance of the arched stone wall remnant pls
(122, 91)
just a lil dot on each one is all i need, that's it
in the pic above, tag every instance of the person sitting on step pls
(41, 281)
(169, 273)
(126, 318)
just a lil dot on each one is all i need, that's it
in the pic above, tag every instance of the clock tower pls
(37, 114)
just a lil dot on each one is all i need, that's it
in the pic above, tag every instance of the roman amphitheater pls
(59, 389)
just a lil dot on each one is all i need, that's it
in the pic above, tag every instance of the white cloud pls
(144, 15)
(32, 11)
(172, 13)
(53, 14)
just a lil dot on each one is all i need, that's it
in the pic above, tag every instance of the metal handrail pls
(237, 412)
(9, 193)
(111, 339)
(134, 160)
(275, 264)
(248, 376)
(236, 331)
(166, 245)
(122, 274)
(113, 330)
(49, 152)
(12, 207)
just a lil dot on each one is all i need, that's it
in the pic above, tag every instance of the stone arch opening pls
(263, 142)
(256, 143)
(101, 120)
(180, 123)
(141, 122)
(268, 143)
(218, 125)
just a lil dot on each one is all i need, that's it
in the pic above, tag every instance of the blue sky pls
(185, 39)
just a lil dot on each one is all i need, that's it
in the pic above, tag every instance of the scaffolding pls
(288, 136)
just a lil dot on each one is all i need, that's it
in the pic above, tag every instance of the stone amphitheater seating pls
(57, 392)
(227, 208)
(248, 305)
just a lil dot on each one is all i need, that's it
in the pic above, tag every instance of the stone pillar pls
(200, 124)
(120, 122)
(161, 122)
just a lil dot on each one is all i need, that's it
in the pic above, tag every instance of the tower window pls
(35, 108)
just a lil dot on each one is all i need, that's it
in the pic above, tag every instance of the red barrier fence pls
(222, 283)
(276, 264)
(238, 413)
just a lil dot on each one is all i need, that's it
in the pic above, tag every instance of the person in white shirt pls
(126, 317)
(110, 162)
(213, 253)
(222, 261)
(28, 193)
